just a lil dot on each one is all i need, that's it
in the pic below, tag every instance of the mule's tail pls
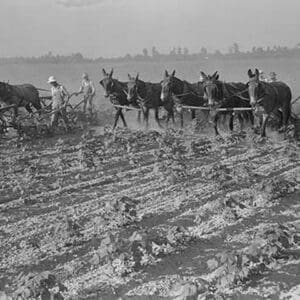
(287, 108)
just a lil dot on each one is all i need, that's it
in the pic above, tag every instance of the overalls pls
(58, 110)
(88, 94)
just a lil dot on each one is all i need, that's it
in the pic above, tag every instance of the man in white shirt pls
(88, 90)
(60, 97)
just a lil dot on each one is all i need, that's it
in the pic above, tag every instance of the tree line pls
(176, 53)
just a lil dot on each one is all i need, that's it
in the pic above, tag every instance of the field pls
(130, 214)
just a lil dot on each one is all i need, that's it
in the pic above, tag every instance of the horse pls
(182, 93)
(221, 94)
(147, 95)
(115, 90)
(271, 97)
(21, 95)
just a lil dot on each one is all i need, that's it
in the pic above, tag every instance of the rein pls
(238, 94)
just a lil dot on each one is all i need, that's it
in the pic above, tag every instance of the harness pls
(260, 100)
(225, 91)
(190, 92)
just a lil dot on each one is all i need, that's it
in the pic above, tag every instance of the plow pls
(38, 122)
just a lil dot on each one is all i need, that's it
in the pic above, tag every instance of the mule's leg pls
(251, 118)
(146, 117)
(241, 121)
(181, 119)
(265, 118)
(139, 117)
(123, 118)
(231, 121)
(157, 117)
(193, 114)
(168, 117)
(216, 118)
(14, 114)
(28, 108)
(172, 116)
(117, 115)
(286, 111)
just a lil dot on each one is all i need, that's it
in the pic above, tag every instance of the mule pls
(221, 94)
(180, 93)
(147, 95)
(21, 95)
(116, 91)
(271, 97)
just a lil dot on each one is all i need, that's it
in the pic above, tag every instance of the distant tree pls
(203, 51)
(173, 52)
(179, 51)
(145, 52)
(236, 48)
(218, 53)
(185, 51)
(128, 56)
(154, 52)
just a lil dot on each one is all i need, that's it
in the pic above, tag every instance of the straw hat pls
(85, 76)
(52, 79)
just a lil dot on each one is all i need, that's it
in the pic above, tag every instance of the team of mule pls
(220, 98)
(216, 97)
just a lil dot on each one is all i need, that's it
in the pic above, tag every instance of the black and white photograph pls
(149, 150)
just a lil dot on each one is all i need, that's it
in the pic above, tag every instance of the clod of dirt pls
(44, 285)
(126, 208)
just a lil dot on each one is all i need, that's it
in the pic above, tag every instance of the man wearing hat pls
(272, 77)
(88, 90)
(262, 76)
(59, 97)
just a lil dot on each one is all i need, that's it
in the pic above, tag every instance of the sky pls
(110, 28)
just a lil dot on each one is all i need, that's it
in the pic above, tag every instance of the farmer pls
(88, 90)
(262, 75)
(60, 97)
(272, 77)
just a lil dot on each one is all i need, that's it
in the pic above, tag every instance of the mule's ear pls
(111, 73)
(173, 73)
(204, 75)
(104, 72)
(166, 73)
(257, 73)
(129, 77)
(214, 75)
(137, 77)
(250, 74)
(217, 77)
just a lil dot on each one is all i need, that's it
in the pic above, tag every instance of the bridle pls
(261, 97)
(238, 94)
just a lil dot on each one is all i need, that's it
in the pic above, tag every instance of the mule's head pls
(167, 86)
(255, 88)
(108, 83)
(210, 87)
(132, 88)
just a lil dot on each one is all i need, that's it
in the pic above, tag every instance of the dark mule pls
(147, 95)
(115, 90)
(22, 95)
(271, 97)
(221, 94)
(180, 93)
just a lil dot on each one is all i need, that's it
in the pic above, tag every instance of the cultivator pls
(37, 123)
